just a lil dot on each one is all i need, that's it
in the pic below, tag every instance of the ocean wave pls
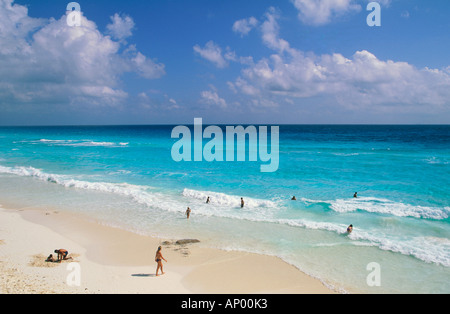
(138, 193)
(436, 161)
(383, 206)
(223, 199)
(425, 248)
(345, 154)
(69, 182)
(314, 225)
(81, 143)
(428, 249)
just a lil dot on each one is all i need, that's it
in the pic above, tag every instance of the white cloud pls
(213, 53)
(212, 98)
(270, 30)
(146, 67)
(121, 27)
(244, 26)
(321, 12)
(360, 81)
(45, 61)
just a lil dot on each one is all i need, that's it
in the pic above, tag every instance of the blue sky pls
(232, 62)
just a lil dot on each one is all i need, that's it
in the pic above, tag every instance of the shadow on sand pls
(143, 275)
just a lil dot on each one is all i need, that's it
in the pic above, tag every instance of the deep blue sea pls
(124, 176)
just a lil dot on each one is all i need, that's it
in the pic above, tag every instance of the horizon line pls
(259, 124)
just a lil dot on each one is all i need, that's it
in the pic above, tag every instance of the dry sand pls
(109, 261)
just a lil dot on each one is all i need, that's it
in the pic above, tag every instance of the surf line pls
(214, 150)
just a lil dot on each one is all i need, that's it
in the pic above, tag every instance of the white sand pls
(116, 261)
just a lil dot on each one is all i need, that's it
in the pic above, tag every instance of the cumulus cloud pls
(270, 30)
(121, 27)
(321, 12)
(361, 80)
(213, 53)
(45, 61)
(211, 97)
(244, 26)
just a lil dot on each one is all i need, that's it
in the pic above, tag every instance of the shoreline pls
(115, 261)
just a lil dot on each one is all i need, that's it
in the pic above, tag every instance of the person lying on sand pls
(50, 258)
(62, 255)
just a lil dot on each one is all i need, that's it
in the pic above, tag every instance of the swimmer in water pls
(350, 229)
(188, 212)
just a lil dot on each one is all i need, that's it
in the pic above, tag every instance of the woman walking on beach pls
(158, 259)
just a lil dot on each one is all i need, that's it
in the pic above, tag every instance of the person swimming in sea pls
(242, 202)
(208, 200)
(350, 229)
(188, 213)
(355, 195)
(293, 198)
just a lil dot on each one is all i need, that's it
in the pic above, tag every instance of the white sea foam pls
(436, 161)
(315, 225)
(69, 182)
(345, 154)
(429, 249)
(140, 194)
(384, 206)
(82, 143)
(223, 199)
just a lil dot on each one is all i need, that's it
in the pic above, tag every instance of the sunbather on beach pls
(50, 258)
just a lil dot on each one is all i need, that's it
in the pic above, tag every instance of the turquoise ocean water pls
(125, 176)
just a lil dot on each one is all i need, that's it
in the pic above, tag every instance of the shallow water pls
(126, 177)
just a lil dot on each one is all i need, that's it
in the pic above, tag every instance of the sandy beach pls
(107, 260)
